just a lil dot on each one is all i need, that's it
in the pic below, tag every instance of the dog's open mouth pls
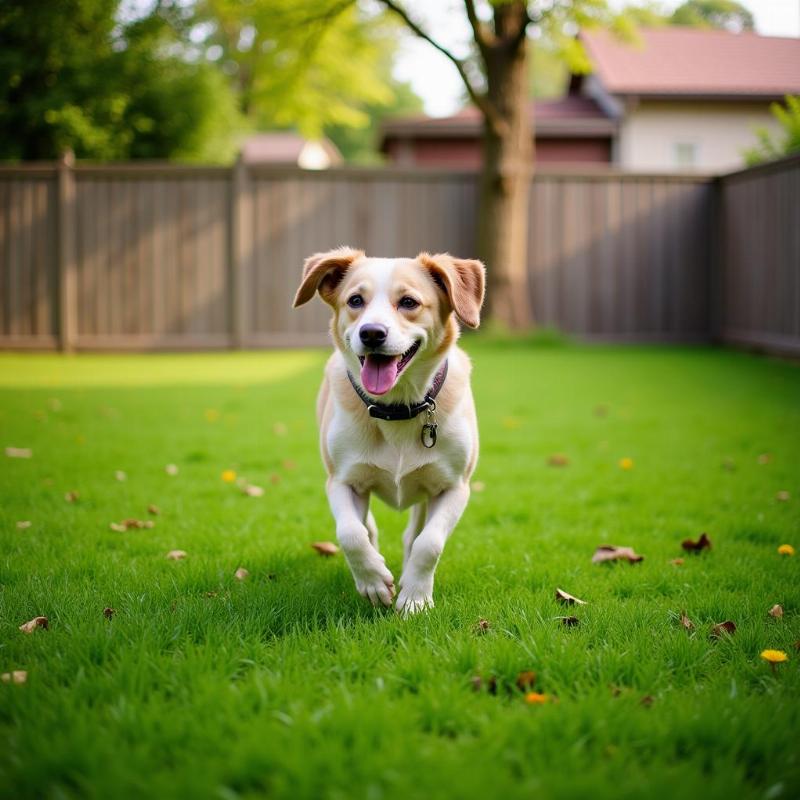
(379, 372)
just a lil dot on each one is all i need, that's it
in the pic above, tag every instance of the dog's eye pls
(409, 303)
(356, 301)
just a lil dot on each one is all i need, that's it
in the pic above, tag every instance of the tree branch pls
(483, 37)
(477, 97)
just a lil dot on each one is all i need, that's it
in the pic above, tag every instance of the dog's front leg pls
(372, 578)
(416, 583)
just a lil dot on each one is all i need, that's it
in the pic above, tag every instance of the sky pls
(435, 80)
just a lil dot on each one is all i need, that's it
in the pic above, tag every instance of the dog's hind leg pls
(416, 522)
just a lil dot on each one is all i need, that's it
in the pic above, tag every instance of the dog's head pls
(394, 317)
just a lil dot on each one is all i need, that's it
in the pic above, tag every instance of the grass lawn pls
(289, 685)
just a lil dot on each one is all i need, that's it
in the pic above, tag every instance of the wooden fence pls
(168, 257)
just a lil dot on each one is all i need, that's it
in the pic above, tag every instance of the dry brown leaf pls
(171, 469)
(72, 497)
(568, 599)
(131, 524)
(569, 622)
(274, 479)
(23, 524)
(153, 509)
(686, 622)
(252, 491)
(765, 458)
(482, 626)
(17, 676)
(558, 460)
(721, 629)
(108, 612)
(677, 562)
(19, 452)
(241, 574)
(325, 548)
(776, 611)
(176, 555)
(783, 496)
(703, 543)
(609, 552)
(647, 701)
(526, 680)
(289, 464)
(32, 625)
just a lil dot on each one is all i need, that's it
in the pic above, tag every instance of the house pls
(290, 148)
(679, 99)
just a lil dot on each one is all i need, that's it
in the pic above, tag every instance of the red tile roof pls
(674, 61)
(571, 115)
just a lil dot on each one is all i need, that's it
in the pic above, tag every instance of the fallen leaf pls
(252, 491)
(171, 469)
(23, 524)
(536, 698)
(17, 676)
(72, 497)
(176, 555)
(131, 524)
(686, 622)
(626, 463)
(32, 625)
(609, 552)
(558, 460)
(786, 550)
(569, 622)
(721, 629)
(482, 626)
(568, 599)
(241, 574)
(19, 452)
(280, 429)
(776, 611)
(783, 496)
(274, 479)
(288, 464)
(120, 475)
(601, 411)
(228, 475)
(703, 543)
(525, 680)
(765, 458)
(647, 701)
(677, 562)
(108, 612)
(153, 509)
(325, 548)
(477, 486)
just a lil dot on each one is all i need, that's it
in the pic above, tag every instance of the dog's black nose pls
(373, 334)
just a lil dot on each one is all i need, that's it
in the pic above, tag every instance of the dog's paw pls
(414, 597)
(376, 584)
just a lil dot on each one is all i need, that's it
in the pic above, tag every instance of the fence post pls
(239, 243)
(66, 258)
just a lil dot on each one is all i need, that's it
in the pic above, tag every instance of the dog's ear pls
(323, 272)
(463, 280)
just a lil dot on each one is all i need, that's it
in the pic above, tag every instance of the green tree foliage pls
(727, 14)
(787, 142)
(74, 75)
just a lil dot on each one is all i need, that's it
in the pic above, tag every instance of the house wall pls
(466, 153)
(653, 132)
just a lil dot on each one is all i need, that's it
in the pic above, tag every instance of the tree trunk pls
(507, 172)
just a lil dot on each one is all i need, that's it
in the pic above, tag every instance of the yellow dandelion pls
(228, 475)
(786, 550)
(536, 698)
(774, 656)
(626, 463)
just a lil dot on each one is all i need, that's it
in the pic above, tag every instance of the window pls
(685, 155)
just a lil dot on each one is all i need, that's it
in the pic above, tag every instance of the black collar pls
(398, 411)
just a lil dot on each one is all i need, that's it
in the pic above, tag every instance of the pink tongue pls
(379, 373)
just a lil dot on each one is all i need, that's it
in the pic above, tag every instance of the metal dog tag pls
(428, 433)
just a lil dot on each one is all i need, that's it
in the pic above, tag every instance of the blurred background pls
(626, 171)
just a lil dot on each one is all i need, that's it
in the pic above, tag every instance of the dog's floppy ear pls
(323, 272)
(463, 280)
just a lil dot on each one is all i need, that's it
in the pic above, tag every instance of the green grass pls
(290, 685)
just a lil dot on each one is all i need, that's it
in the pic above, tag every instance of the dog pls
(395, 410)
